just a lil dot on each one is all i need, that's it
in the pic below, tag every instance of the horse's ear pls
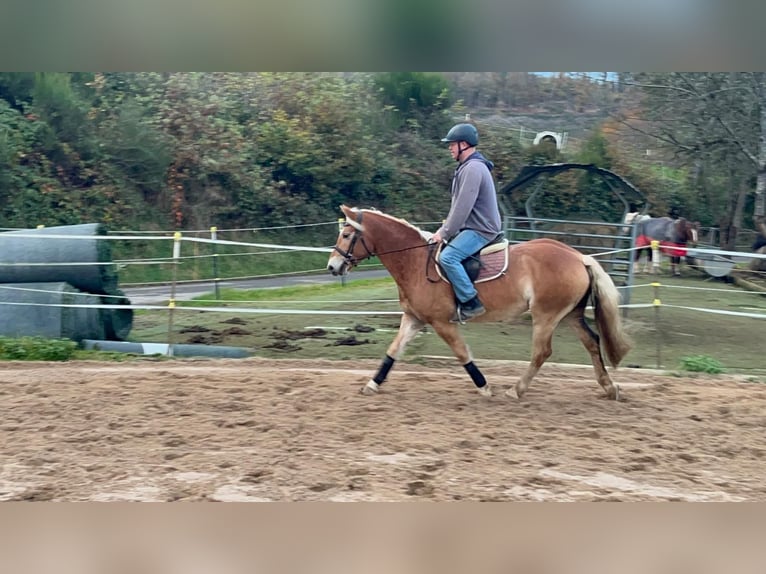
(345, 209)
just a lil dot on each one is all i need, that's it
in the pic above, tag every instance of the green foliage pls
(701, 364)
(250, 150)
(416, 99)
(36, 349)
(595, 150)
(16, 88)
(503, 149)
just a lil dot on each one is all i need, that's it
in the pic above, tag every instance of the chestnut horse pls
(545, 277)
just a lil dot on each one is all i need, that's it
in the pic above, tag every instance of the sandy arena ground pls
(290, 430)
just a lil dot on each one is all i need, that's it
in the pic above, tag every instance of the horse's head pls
(691, 231)
(350, 247)
(686, 231)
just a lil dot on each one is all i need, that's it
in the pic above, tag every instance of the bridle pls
(348, 256)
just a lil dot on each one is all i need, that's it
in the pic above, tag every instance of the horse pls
(673, 235)
(543, 276)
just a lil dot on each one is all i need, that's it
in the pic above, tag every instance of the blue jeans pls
(461, 247)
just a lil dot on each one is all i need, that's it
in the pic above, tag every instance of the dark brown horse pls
(545, 277)
(673, 236)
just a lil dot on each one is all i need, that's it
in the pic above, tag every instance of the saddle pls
(486, 264)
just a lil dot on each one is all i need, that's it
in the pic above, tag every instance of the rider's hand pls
(436, 238)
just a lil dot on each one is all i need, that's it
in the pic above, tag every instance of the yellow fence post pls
(656, 256)
(172, 301)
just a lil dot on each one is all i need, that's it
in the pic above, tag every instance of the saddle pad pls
(493, 264)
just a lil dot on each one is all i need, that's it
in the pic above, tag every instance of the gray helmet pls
(463, 132)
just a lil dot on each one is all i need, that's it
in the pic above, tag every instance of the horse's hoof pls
(616, 392)
(511, 393)
(371, 388)
(485, 391)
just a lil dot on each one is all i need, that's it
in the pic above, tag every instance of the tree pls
(417, 99)
(715, 123)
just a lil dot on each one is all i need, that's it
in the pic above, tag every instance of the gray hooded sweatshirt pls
(474, 200)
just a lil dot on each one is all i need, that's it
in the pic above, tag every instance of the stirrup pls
(462, 315)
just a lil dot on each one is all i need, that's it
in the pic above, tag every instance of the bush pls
(36, 349)
(701, 364)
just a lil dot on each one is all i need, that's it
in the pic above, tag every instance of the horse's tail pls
(606, 301)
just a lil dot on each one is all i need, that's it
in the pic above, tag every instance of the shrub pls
(36, 349)
(701, 364)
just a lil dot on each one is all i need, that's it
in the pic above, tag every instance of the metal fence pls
(611, 243)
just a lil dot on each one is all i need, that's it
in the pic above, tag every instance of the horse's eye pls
(346, 235)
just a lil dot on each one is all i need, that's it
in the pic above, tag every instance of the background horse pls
(673, 235)
(545, 277)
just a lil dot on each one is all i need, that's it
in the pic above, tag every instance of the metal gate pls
(609, 241)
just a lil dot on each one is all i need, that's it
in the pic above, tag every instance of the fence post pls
(657, 332)
(172, 301)
(216, 279)
(655, 256)
(341, 223)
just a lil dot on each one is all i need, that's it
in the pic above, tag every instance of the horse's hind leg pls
(590, 340)
(408, 328)
(637, 260)
(542, 335)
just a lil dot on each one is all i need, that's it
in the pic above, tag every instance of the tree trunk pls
(759, 213)
(731, 221)
(736, 220)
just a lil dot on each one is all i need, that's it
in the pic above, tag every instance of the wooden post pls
(341, 223)
(216, 279)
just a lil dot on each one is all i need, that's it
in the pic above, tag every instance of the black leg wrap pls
(382, 373)
(475, 373)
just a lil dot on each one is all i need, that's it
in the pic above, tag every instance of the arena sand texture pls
(298, 430)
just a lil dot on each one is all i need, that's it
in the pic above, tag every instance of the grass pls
(663, 342)
(205, 261)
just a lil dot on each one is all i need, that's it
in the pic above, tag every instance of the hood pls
(478, 156)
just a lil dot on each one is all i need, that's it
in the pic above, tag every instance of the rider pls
(473, 220)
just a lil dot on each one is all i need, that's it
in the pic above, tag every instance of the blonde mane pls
(426, 235)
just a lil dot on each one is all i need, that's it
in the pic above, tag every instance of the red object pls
(666, 247)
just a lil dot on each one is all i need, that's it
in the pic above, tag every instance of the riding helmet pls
(463, 132)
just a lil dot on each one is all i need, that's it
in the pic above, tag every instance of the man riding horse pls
(473, 220)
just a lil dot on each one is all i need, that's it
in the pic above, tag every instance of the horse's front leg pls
(451, 335)
(674, 263)
(408, 328)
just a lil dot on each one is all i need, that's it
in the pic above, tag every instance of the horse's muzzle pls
(337, 265)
